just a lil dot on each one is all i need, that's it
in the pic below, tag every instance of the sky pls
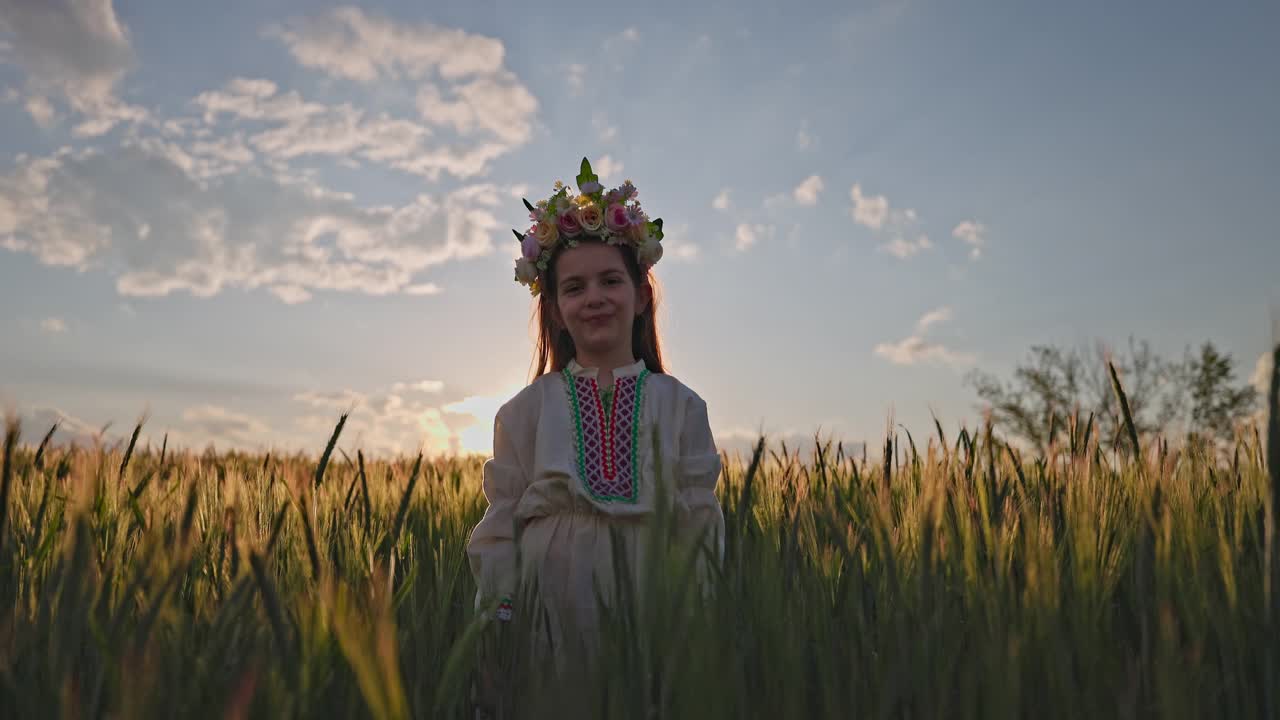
(242, 219)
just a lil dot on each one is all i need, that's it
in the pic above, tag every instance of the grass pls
(960, 580)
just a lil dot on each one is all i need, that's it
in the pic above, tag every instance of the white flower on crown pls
(526, 271)
(649, 252)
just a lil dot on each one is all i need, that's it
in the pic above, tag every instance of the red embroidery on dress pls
(606, 443)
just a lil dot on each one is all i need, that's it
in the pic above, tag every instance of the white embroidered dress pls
(566, 468)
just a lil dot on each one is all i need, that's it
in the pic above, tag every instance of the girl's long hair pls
(554, 348)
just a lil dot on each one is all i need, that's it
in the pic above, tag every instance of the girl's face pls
(596, 300)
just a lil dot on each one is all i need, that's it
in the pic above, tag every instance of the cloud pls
(396, 421)
(497, 103)
(77, 50)
(803, 139)
(458, 81)
(612, 43)
(915, 349)
(607, 168)
(676, 244)
(72, 430)
(171, 228)
(40, 110)
(423, 289)
(741, 442)
(424, 386)
(496, 108)
(53, 325)
(806, 193)
(576, 73)
(875, 212)
(747, 235)
(605, 131)
(220, 426)
(869, 211)
(903, 248)
(721, 201)
(346, 43)
(933, 317)
(973, 234)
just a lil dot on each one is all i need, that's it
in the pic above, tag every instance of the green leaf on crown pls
(585, 175)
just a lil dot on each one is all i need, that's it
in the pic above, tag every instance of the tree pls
(1054, 383)
(1217, 404)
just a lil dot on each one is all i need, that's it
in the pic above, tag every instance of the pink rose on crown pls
(591, 218)
(529, 246)
(615, 218)
(569, 224)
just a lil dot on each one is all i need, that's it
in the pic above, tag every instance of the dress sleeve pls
(698, 470)
(491, 549)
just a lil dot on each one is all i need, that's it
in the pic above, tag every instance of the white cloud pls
(423, 289)
(869, 211)
(806, 193)
(72, 430)
(933, 317)
(53, 325)
(576, 74)
(747, 235)
(389, 422)
(458, 81)
(902, 248)
(676, 244)
(875, 212)
(608, 169)
(721, 202)
(424, 386)
(605, 131)
(741, 441)
(803, 139)
(497, 103)
(74, 49)
(613, 43)
(220, 426)
(973, 234)
(348, 44)
(915, 349)
(40, 110)
(169, 229)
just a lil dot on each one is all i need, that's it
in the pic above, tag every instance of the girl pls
(578, 452)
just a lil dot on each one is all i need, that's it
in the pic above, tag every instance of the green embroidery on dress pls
(635, 432)
(577, 422)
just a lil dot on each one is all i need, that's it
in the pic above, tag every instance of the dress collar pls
(625, 371)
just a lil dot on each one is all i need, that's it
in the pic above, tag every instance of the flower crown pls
(565, 219)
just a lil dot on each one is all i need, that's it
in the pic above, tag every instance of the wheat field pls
(941, 577)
